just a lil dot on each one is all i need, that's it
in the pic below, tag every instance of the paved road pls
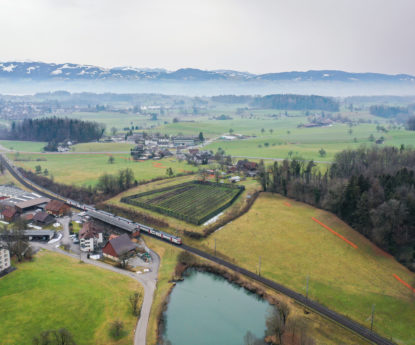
(147, 280)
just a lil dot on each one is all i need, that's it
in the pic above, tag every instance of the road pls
(328, 313)
(147, 280)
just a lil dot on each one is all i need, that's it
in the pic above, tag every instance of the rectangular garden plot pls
(194, 202)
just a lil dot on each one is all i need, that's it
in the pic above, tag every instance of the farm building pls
(90, 236)
(31, 204)
(43, 218)
(9, 214)
(185, 141)
(57, 208)
(245, 165)
(119, 246)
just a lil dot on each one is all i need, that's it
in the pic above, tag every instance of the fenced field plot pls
(194, 202)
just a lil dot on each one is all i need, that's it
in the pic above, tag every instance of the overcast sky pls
(257, 36)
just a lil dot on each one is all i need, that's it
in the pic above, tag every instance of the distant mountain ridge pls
(14, 70)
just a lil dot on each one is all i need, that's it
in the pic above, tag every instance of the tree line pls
(387, 111)
(371, 189)
(54, 129)
(108, 185)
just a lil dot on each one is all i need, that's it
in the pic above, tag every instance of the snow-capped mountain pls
(68, 71)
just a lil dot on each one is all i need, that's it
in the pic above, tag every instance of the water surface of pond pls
(205, 309)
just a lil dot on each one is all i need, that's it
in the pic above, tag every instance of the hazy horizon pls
(270, 36)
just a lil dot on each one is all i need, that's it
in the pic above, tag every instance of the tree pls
(54, 337)
(2, 168)
(169, 172)
(411, 123)
(231, 131)
(46, 172)
(217, 176)
(111, 160)
(277, 321)
(38, 169)
(262, 130)
(201, 137)
(124, 259)
(271, 130)
(116, 328)
(322, 152)
(134, 300)
(114, 130)
(371, 137)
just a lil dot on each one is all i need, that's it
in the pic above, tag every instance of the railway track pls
(317, 307)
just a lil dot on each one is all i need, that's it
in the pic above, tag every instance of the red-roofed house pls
(9, 214)
(57, 208)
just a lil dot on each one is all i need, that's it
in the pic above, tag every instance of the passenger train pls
(134, 226)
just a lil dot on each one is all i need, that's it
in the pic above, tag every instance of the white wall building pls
(4, 259)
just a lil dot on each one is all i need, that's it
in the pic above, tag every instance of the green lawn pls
(23, 146)
(56, 292)
(292, 246)
(85, 169)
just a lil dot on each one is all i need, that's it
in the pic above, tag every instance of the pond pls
(205, 309)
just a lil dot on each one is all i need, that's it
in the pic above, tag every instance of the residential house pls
(90, 236)
(43, 218)
(57, 208)
(9, 214)
(119, 246)
(245, 165)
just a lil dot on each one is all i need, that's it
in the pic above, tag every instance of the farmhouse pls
(31, 204)
(90, 236)
(9, 214)
(57, 208)
(119, 246)
(245, 165)
(43, 218)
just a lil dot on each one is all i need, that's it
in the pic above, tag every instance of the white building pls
(90, 237)
(4, 259)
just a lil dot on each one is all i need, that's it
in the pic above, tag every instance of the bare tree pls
(134, 302)
(277, 321)
(117, 327)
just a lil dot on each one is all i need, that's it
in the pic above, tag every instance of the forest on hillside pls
(54, 129)
(371, 189)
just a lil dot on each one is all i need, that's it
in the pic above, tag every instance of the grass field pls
(307, 142)
(292, 246)
(85, 169)
(192, 201)
(102, 147)
(23, 146)
(56, 292)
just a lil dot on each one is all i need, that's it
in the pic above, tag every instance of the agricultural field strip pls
(191, 201)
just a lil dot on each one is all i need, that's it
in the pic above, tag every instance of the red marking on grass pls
(403, 282)
(334, 232)
(287, 204)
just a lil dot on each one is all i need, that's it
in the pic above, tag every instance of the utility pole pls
(259, 266)
(373, 316)
(215, 246)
